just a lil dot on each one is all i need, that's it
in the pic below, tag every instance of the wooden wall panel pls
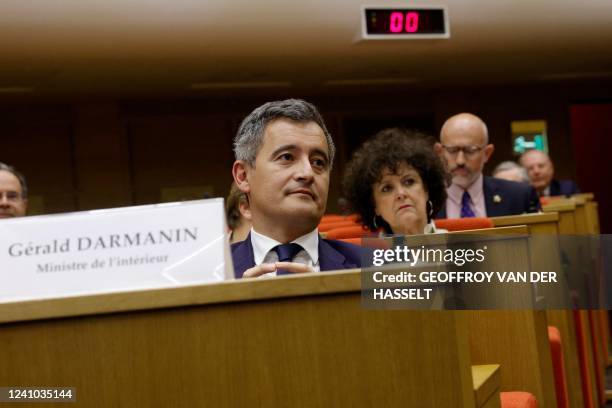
(179, 151)
(101, 157)
(39, 143)
(100, 153)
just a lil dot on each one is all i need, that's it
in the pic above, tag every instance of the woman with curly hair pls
(396, 182)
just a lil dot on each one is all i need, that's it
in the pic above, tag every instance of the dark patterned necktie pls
(466, 210)
(286, 253)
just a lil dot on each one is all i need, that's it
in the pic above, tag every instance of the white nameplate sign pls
(120, 249)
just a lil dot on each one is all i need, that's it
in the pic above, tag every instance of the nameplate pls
(115, 250)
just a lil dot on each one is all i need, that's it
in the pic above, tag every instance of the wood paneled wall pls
(98, 154)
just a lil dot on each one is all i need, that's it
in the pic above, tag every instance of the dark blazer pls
(333, 255)
(503, 197)
(563, 187)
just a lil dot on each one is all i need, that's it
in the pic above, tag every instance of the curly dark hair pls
(390, 148)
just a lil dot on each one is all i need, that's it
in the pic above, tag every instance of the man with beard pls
(464, 146)
(13, 192)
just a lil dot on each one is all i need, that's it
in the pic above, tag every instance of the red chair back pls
(597, 359)
(556, 352)
(332, 218)
(585, 376)
(517, 399)
(327, 226)
(353, 231)
(464, 224)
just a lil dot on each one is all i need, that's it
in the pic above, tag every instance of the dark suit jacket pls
(503, 197)
(563, 187)
(333, 255)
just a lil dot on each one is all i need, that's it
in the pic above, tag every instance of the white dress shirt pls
(263, 249)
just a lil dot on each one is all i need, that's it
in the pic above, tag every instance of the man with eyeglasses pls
(464, 146)
(13, 192)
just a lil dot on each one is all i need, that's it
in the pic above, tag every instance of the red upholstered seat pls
(353, 231)
(326, 226)
(597, 354)
(556, 352)
(332, 218)
(464, 224)
(517, 399)
(585, 377)
(604, 338)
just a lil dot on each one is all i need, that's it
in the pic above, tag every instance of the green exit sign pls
(522, 143)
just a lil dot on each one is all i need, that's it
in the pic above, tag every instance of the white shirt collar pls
(262, 245)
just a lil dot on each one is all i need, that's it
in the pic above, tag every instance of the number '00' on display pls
(399, 22)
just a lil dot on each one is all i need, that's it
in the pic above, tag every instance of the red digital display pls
(422, 22)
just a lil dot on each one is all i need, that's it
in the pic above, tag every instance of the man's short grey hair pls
(249, 138)
(510, 165)
(20, 177)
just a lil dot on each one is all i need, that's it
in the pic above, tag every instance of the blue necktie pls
(286, 253)
(466, 210)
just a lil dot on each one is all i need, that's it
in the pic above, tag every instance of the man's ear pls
(240, 171)
(438, 148)
(488, 151)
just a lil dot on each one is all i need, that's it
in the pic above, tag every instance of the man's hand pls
(264, 268)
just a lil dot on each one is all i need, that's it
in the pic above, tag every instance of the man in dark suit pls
(541, 175)
(284, 156)
(464, 146)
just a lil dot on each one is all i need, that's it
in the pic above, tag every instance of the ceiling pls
(118, 47)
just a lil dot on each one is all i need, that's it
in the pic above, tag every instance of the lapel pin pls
(497, 198)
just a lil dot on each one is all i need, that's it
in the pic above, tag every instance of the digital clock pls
(382, 22)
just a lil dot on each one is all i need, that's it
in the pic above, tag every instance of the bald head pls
(464, 124)
(534, 155)
(464, 146)
(539, 168)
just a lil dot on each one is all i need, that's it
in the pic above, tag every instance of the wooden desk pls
(582, 224)
(263, 342)
(538, 223)
(515, 339)
(586, 212)
(566, 209)
(487, 381)
(303, 341)
(592, 213)
(577, 215)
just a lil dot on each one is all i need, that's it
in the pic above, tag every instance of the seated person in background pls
(541, 172)
(13, 192)
(396, 182)
(464, 146)
(238, 214)
(509, 170)
(284, 156)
